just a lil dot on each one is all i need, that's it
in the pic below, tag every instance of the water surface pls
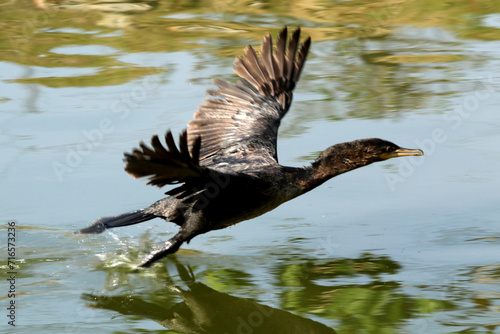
(404, 246)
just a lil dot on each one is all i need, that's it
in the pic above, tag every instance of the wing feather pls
(166, 166)
(237, 125)
(239, 122)
(279, 55)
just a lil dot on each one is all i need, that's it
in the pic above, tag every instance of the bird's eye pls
(388, 149)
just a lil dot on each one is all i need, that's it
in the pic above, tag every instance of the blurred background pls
(405, 246)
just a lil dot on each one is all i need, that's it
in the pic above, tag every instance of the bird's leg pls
(171, 246)
(192, 227)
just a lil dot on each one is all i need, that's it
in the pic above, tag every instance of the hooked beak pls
(401, 152)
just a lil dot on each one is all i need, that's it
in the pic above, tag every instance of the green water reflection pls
(382, 78)
(178, 301)
(205, 310)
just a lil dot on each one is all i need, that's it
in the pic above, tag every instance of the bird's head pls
(344, 157)
(378, 149)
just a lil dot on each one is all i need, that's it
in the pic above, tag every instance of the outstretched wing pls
(239, 124)
(171, 165)
(166, 166)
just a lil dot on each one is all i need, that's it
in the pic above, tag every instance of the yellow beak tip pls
(401, 152)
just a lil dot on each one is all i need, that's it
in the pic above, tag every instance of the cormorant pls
(226, 163)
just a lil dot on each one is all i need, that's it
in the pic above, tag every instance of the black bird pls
(227, 163)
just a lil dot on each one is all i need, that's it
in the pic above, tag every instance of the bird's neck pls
(335, 160)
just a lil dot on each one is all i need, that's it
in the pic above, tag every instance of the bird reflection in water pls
(205, 310)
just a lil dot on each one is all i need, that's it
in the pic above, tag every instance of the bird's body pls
(227, 161)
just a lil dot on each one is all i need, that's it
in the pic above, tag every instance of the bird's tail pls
(125, 219)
